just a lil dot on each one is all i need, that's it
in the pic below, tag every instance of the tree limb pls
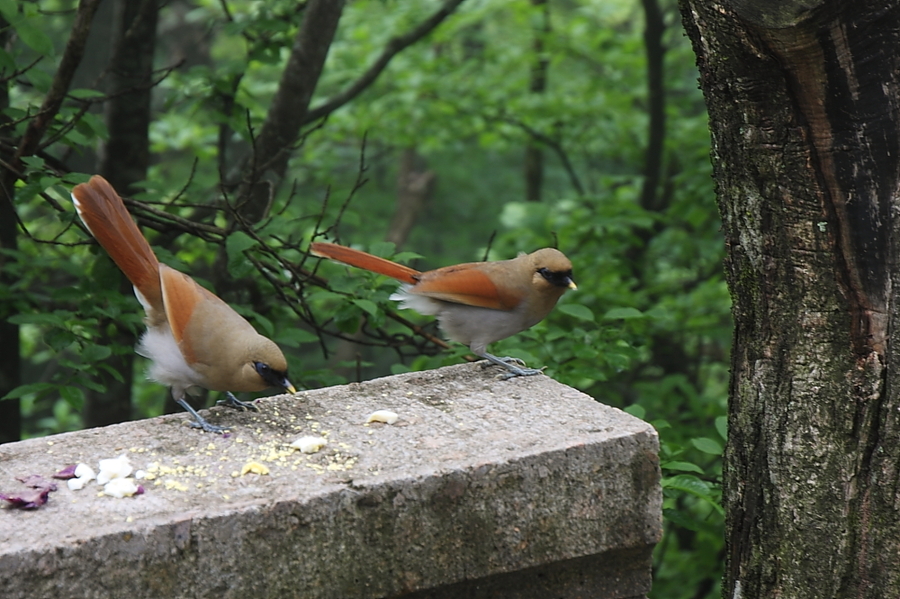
(62, 80)
(394, 46)
(272, 148)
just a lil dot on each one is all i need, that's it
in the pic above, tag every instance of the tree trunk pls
(124, 160)
(275, 143)
(12, 167)
(415, 182)
(534, 153)
(804, 116)
(10, 358)
(654, 30)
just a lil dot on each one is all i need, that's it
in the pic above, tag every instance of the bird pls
(193, 338)
(476, 303)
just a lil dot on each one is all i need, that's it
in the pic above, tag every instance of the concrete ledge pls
(483, 488)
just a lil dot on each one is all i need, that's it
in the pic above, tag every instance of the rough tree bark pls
(11, 172)
(275, 143)
(263, 171)
(124, 160)
(534, 153)
(655, 51)
(804, 108)
(10, 359)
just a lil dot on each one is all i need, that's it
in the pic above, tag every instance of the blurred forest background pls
(434, 133)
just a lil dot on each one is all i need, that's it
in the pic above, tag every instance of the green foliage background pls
(647, 331)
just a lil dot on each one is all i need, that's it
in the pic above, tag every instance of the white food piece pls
(120, 487)
(114, 468)
(84, 471)
(385, 416)
(309, 444)
(77, 484)
(83, 475)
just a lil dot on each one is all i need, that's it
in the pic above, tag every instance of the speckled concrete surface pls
(477, 478)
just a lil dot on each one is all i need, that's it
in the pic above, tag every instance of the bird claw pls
(204, 425)
(520, 372)
(507, 361)
(233, 402)
(514, 367)
(199, 421)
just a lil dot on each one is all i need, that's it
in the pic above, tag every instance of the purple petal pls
(28, 500)
(66, 473)
(33, 498)
(36, 481)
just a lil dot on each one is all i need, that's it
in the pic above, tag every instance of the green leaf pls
(73, 396)
(722, 426)
(7, 62)
(677, 517)
(382, 248)
(294, 337)
(33, 36)
(235, 246)
(9, 9)
(23, 390)
(95, 353)
(264, 323)
(367, 306)
(406, 257)
(83, 93)
(623, 313)
(707, 445)
(39, 319)
(577, 310)
(682, 467)
(635, 410)
(687, 483)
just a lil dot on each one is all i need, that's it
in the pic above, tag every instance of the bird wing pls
(104, 214)
(466, 284)
(365, 261)
(181, 295)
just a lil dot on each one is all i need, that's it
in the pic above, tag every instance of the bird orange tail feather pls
(365, 261)
(104, 214)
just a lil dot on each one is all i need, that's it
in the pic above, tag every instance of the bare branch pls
(286, 115)
(551, 143)
(394, 46)
(62, 80)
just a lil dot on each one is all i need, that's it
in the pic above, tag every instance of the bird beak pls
(572, 285)
(288, 386)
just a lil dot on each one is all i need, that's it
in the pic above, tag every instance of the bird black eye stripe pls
(560, 279)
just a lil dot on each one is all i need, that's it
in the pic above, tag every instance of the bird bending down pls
(193, 338)
(475, 303)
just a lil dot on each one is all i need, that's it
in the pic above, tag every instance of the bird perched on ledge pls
(193, 338)
(475, 303)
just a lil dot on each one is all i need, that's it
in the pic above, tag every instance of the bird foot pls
(205, 426)
(514, 366)
(233, 402)
(507, 360)
(515, 371)
(199, 421)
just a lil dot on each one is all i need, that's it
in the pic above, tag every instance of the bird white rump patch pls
(169, 366)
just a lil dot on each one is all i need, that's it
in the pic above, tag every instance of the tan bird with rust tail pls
(193, 338)
(475, 303)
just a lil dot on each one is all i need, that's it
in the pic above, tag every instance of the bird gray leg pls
(233, 402)
(200, 421)
(513, 365)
